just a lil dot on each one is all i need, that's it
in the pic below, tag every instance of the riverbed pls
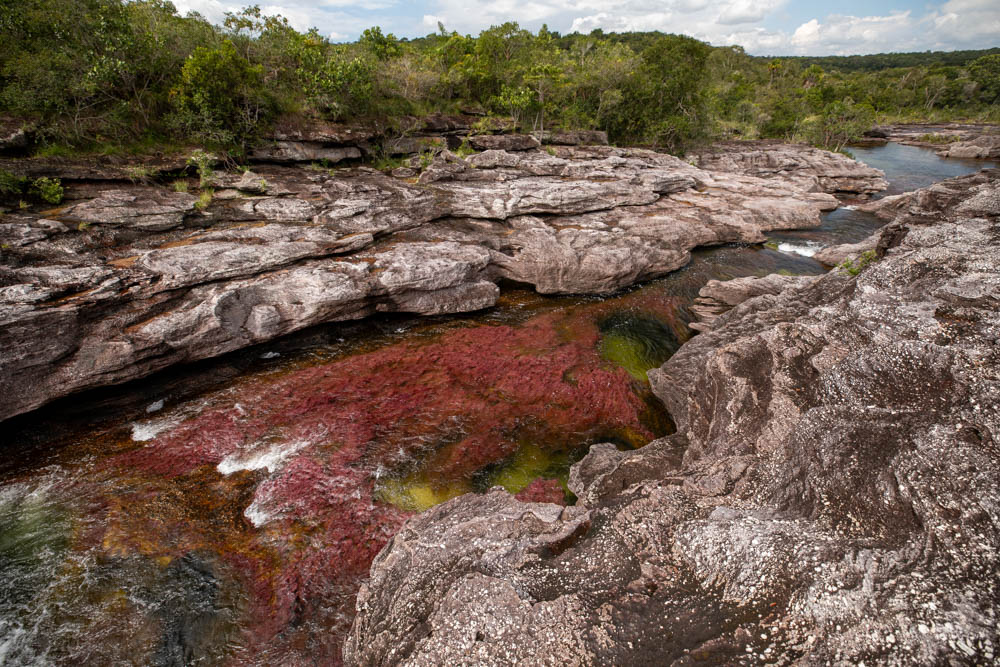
(227, 512)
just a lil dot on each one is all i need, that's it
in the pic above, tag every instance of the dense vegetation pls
(94, 74)
(880, 61)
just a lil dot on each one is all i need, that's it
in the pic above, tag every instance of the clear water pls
(226, 513)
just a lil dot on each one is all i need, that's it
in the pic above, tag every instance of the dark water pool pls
(226, 513)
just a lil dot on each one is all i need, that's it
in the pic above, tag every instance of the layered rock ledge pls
(830, 496)
(128, 278)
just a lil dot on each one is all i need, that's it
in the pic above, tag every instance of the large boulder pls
(822, 170)
(983, 147)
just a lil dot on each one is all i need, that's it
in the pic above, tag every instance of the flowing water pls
(227, 512)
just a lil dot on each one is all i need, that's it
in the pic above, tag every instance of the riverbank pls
(125, 279)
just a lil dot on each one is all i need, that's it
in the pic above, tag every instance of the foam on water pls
(270, 458)
(143, 431)
(806, 250)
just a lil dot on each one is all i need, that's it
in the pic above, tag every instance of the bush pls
(13, 187)
(221, 98)
(49, 190)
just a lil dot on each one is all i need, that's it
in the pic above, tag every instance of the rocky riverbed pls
(128, 278)
(830, 494)
(230, 511)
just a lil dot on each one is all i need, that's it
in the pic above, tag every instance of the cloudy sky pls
(763, 27)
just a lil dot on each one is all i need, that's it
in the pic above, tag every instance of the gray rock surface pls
(125, 280)
(837, 254)
(506, 142)
(810, 167)
(304, 151)
(986, 146)
(721, 296)
(830, 495)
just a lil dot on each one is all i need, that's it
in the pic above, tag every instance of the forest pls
(117, 76)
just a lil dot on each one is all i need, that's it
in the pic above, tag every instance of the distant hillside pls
(880, 61)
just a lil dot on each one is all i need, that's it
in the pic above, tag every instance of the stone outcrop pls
(721, 296)
(962, 140)
(830, 495)
(810, 168)
(984, 147)
(925, 205)
(505, 142)
(124, 280)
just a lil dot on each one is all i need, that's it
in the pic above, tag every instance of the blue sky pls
(763, 27)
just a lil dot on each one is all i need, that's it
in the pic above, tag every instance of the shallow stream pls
(227, 512)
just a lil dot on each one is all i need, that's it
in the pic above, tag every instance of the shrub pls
(202, 162)
(49, 190)
(204, 199)
(222, 98)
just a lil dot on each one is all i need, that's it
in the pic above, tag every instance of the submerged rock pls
(125, 281)
(830, 494)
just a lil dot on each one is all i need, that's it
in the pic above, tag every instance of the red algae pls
(295, 479)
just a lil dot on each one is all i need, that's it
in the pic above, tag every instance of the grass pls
(937, 138)
(855, 266)
(144, 146)
(138, 173)
(204, 199)
(388, 162)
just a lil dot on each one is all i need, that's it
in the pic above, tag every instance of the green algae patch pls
(528, 463)
(417, 492)
(636, 342)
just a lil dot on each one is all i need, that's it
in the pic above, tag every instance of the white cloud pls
(747, 11)
(754, 24)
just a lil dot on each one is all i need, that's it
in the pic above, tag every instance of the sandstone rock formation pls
(720, 296)
(126, 278)
(986, 146)
(810, 167)
(830, 496)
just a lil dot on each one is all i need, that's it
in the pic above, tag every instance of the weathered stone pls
(404, 172)
(149, 209)
(986, 146)
(830, 494)
(825, 171)
(409, 145)
(154, 282)
(837, 254)
(324, 132)
(303, 151)
(574, 138)
(505, 142)
(721, 296)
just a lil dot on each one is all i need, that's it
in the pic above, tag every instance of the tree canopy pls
(116, 72)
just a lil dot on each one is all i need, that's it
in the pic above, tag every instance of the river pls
(227, 512)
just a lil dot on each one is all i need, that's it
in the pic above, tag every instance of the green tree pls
(985, 71)
(221, 97)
